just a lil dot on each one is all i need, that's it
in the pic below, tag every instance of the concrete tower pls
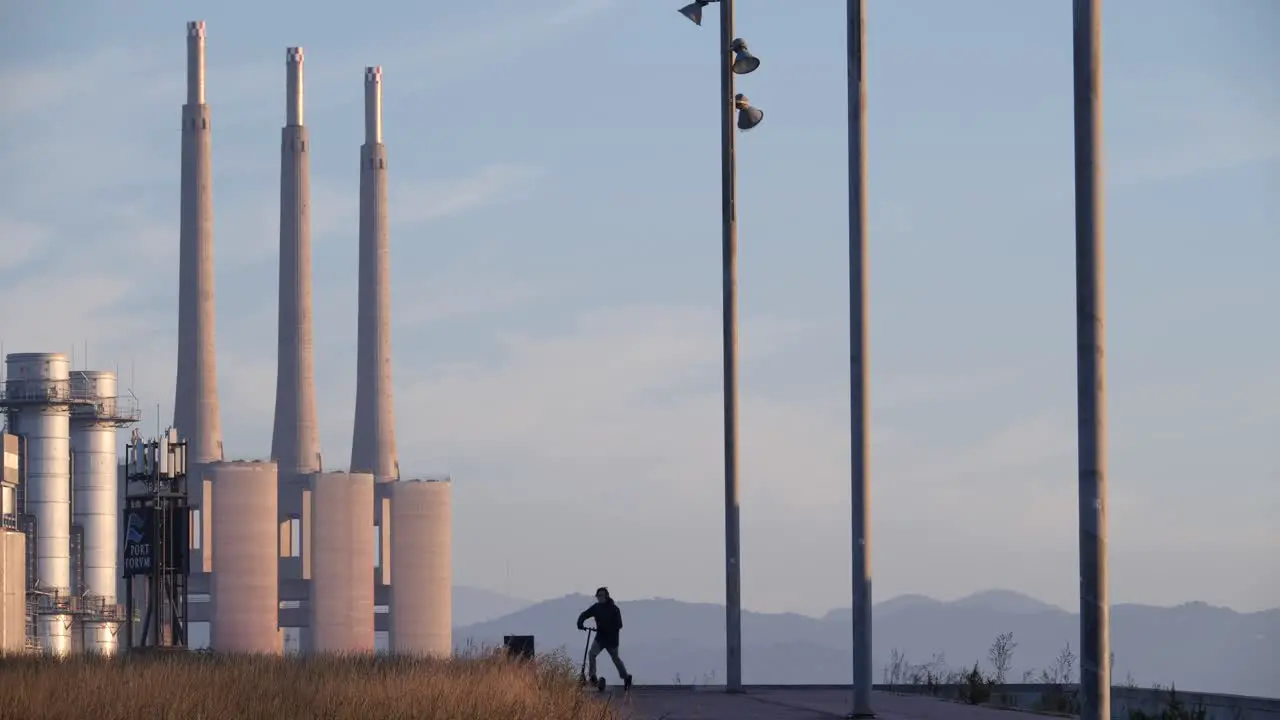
(373, 445)
(195, 406)
(295, 441)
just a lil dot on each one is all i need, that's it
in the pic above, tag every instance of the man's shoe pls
(626, 682)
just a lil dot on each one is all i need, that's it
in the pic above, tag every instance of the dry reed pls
(197, 686)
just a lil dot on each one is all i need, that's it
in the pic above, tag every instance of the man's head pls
(602, 594)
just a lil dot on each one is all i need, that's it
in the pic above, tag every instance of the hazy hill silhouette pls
(473, 605)
(1196, 646)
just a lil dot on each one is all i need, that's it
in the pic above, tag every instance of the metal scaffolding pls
(80, 611)
(156, 539)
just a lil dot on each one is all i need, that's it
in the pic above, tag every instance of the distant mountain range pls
(473, 605)
(1195, 646)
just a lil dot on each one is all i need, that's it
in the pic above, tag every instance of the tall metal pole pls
(1095, 631)
(858, 441)
(728, 182)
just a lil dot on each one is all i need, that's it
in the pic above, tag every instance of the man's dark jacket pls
(608, 619)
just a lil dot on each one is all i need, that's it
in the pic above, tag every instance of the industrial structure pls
(295, 439)
(420, 564)
(38, 401)
(158, 541)
(196, 414)
(341, 545)
(246, 583)
(373, 444)
(13, 555)
(60, 449)
(95, 523)
(101, 552)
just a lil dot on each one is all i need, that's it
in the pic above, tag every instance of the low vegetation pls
(197, 686)
(979, 685)
(1173, 709)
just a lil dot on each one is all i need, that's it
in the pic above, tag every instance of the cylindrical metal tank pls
(95, 502)
(341, 607)
(38, 399)
(421, 568)
(245, 582)
(13, 592)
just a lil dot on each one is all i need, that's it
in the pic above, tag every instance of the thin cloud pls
(148, 74)
(1215, 140)
(600, 392)
(593, 390)
(484, 187)
(477, 284)
(19, 241)
(897, 392)
(1178, 136)
(247, 227)
(29, 90)
(506, 33)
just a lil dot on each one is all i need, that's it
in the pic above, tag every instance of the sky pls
(554, 174)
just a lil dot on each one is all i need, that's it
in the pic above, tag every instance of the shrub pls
(976, 688)
(1174, 709)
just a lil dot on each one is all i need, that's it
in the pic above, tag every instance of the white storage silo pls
(38, 400)
(341, 602)
(421, 568)
(245, 582)
(96, 499)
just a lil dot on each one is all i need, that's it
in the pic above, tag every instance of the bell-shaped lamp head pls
(743, 61)
(748, 116)
(693, 11)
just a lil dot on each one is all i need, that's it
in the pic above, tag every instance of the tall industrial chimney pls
(195, 405)
(373, 446)
(295, 441)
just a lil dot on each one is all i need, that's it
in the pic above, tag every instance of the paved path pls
(652, 703)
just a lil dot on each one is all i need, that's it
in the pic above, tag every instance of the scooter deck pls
(600, 685)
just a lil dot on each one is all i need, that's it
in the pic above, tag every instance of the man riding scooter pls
(608, 619)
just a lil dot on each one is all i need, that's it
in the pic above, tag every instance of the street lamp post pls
(859, 443)
(1095, 623)
(735, 58)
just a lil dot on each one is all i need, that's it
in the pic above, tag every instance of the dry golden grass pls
(193, 686)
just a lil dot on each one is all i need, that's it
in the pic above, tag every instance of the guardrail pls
(1060, 699)
(121, 408)
(88, 607)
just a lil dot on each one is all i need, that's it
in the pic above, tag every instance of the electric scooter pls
(582, 674)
